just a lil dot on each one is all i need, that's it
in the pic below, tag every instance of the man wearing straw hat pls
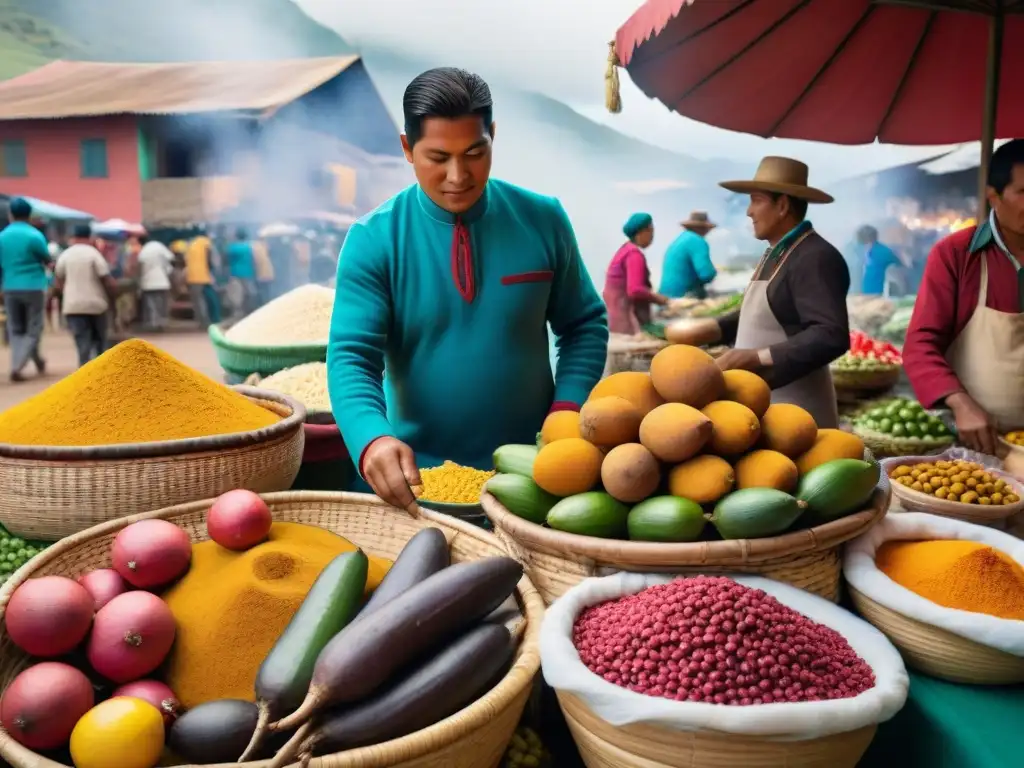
(793, 320)
(687, 267)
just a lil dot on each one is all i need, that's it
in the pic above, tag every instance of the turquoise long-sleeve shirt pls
(241, 262)
(23, 257)
(687, 265)
(461, 377)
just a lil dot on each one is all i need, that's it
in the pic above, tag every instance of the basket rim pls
(698, 553)
(219, 339)
(417, 744)
(293, 415)
(956, 509)
(946, 441)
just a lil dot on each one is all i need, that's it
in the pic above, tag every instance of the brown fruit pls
(829, 445)
(685, 374)
(736, 428)
(788, 429)
(674, 432)
(609, 421)
(703, 479)
(747, 388)
(766, 469)
(634, 386)
(630, 473)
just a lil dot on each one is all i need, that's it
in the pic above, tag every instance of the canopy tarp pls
(47, 210)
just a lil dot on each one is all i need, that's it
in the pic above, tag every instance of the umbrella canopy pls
(118, 227)
(840, 71)
(52, 211)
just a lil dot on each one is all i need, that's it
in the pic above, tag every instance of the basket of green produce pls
(902, 427)
(15, 552)
(871, 366)
(718, 306)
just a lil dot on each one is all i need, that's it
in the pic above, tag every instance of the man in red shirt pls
(965, 343)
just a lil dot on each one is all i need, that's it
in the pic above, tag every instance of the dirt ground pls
(190, 346)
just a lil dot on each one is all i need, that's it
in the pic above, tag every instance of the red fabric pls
(841, 71)
(563, 405)
(323, 443)
(462, 261)
(627, 290)
(539, 276)
(945, 302)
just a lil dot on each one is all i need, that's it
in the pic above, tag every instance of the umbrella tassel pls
(612, 95)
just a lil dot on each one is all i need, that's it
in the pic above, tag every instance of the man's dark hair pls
(20, 209)
(446, 92)
(797, 206)
(143, 239)
(82, 231)
(1000, 167)
(867, 234)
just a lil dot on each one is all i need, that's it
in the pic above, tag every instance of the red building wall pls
(52, 150)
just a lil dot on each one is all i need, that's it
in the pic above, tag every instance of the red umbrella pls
(838, 71)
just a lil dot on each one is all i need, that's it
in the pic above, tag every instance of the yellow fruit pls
(567, 467)
(829, 445)
(747, 388)
(704, 479)
(559, 426)
(685, 374)
(735, 427)
(788, 429)
(674, 432)
(766, 469)
(118, 733)
(609, 421)
(630, 473)
(635, 386)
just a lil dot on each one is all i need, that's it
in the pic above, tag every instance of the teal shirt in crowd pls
(23, 257)
(687, 265)
(241, 263)
(461, 377)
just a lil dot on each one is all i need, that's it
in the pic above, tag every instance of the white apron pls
(988, 358)
(759, 328)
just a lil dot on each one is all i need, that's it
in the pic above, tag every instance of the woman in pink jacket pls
(627, 284)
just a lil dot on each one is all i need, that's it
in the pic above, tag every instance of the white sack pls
(564, 671)
(863, 575)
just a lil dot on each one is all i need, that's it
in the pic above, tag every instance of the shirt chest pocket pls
(526, 294)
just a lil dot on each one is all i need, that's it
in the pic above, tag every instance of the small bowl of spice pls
(453, 489)
(948, 593)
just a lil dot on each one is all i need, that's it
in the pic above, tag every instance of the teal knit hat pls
(636, 223)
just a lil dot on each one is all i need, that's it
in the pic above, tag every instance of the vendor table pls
(945, 725)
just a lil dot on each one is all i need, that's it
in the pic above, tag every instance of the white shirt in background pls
(82, 268)
(155, 265)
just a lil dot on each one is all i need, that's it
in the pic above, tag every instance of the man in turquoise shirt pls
(242, 270)
(446, 291)
(877, 260)
(687, 267)
(24, 259)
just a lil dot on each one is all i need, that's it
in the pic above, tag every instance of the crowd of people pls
(96, 286)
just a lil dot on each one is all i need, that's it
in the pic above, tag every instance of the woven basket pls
(918, 501)
(939, 653)
(882, 445)
(868, 383)
(808, 559)
(646, 746)
(51, 492)
(241, 360)
(626, 353)
(476, 737)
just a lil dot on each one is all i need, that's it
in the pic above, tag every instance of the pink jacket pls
(627, 290)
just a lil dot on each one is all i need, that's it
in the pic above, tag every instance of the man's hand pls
(660, 300)
(389, 466)
(742, 359)
(976, 428)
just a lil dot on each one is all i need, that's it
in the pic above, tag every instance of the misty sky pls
(559, 48)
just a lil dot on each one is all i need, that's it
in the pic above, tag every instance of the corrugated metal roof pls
(85, 88)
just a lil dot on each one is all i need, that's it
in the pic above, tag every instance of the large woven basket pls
(241, 360)
(646, 746)
(476, 737)
(917, 501)
(883, 445)
(808, 559)
(51, 492)
(939, 653)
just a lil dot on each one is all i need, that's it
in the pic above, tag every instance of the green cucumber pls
(331, 603)
(515, 459)
(594, 513)
(521, 496)
(756, 513)
(666, 518)
(838, 488)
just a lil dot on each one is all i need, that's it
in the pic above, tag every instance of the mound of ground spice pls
(133, 393)
(964, 575)
(712, 640)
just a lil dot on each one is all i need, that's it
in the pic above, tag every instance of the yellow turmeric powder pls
(231, 607)
(453, 483)
(957, 574)
(133, 393)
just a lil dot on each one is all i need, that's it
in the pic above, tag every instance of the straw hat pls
(698, 220)
(783, 176)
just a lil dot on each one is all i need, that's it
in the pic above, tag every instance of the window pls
(13, 161)
(94, 158)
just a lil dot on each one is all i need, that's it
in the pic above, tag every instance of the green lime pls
(906, 414)
(893, 411)
(871, 424)
(876, 413)
(915, 406)
(12, 557)
(912, 428)
(898, 430)
(885, 425)
(941, 430)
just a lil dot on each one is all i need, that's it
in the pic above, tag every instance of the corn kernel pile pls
(452, 483)
(957, 480)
